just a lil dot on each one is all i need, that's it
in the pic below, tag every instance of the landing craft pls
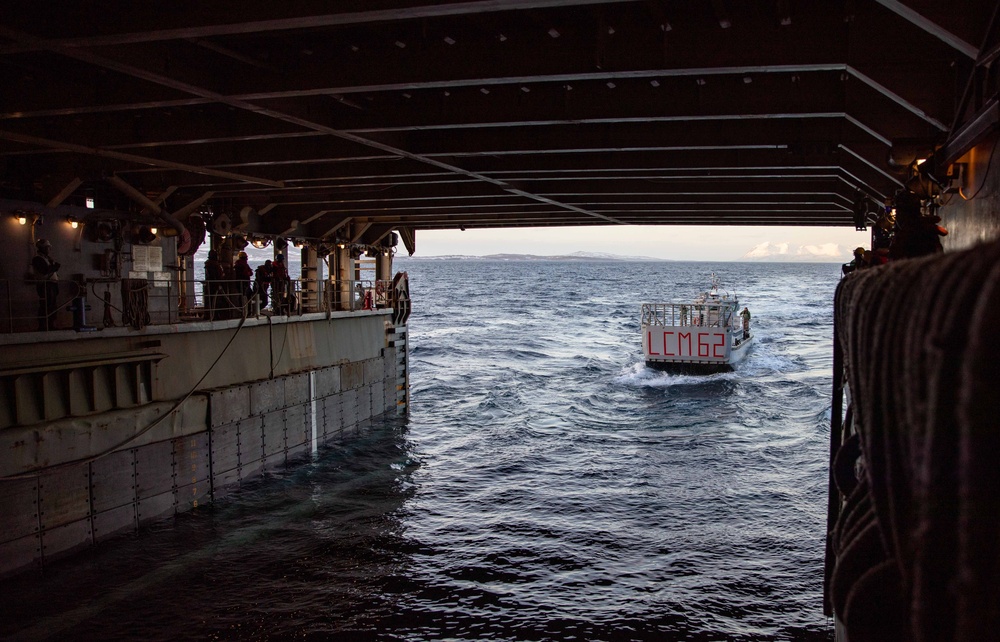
(707, 335)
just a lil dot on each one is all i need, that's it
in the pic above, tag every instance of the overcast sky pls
(685, 243)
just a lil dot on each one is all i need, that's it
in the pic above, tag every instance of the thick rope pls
(915, 542)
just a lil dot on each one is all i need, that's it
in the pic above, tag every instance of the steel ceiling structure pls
(316, 118)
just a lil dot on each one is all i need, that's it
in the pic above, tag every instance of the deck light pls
(21, 218)
(145, 235)
(73, 222)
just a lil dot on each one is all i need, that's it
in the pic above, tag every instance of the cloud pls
(826, 250)
(783, 251)
(767, 250)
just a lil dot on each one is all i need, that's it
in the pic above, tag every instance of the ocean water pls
(546, 485)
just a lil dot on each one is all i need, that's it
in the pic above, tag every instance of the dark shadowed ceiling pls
(394, 114)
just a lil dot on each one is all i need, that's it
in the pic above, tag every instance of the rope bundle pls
(135, 303)
(916, 544)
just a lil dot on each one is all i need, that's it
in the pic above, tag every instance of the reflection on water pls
(281, 556)
(547, 486)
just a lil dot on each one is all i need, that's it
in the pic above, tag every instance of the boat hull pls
(675, 365)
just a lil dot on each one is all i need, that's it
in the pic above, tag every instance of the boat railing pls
(712, 315)
(101, 303)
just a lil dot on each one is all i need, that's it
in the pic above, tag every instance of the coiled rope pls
(914, 543)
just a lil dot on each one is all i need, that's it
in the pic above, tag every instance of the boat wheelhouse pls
(705, 335)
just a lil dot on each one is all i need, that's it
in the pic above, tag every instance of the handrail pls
(713, 315)
(141, 302)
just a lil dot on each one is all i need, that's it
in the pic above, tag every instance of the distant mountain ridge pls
(575, 256)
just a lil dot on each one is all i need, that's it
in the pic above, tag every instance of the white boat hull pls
(693, 349)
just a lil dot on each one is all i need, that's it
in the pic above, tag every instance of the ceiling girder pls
(476, 114)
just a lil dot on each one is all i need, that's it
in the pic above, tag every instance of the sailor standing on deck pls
(746, 323)
(47, 286)
(281, 282)
(262, 281)
(214, 276)
(243, 272)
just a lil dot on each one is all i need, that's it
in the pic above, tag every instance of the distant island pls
(575, 256)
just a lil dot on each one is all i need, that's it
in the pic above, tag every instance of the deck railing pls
(679, 314)
(101, 303)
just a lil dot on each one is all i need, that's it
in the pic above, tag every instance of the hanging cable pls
(109, 319)
(87, 460)
(986, 175)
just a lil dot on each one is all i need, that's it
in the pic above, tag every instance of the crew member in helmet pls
(47, 283)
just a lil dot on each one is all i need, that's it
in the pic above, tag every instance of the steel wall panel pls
(389, 391)
(114, 521)
(352, 375)
(154, 469)
(112, 481)
(192, 459)
(225, 448)
(275, 461)
(229, 405)
(251, 441)
(332, 415)
(349, 408)
(296, 389)
(389, 359)
(193, 495)
(267, 396)
(157, 506)
(18, 509)
(17, 554)
(67, 538)
(274, 433)
(378, 398)
(64, 496)
(251, 470)
(297, 424)
(328, 381)
(298, 451)
(373, 370)
(365, 403)
(221, 481)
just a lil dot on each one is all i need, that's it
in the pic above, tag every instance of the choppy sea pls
(546, 485)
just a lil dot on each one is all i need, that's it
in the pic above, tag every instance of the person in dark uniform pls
(47, 285)
(281, 282)
(262, 281)
(214, 276)
(857, 264)
(243, 273)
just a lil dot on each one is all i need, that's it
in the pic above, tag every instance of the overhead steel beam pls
(273, 24)
(132, 158)
(65, 193)
(930, 27)
(336, 227)
(604, 75)
(409, 237)
(278, 115)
